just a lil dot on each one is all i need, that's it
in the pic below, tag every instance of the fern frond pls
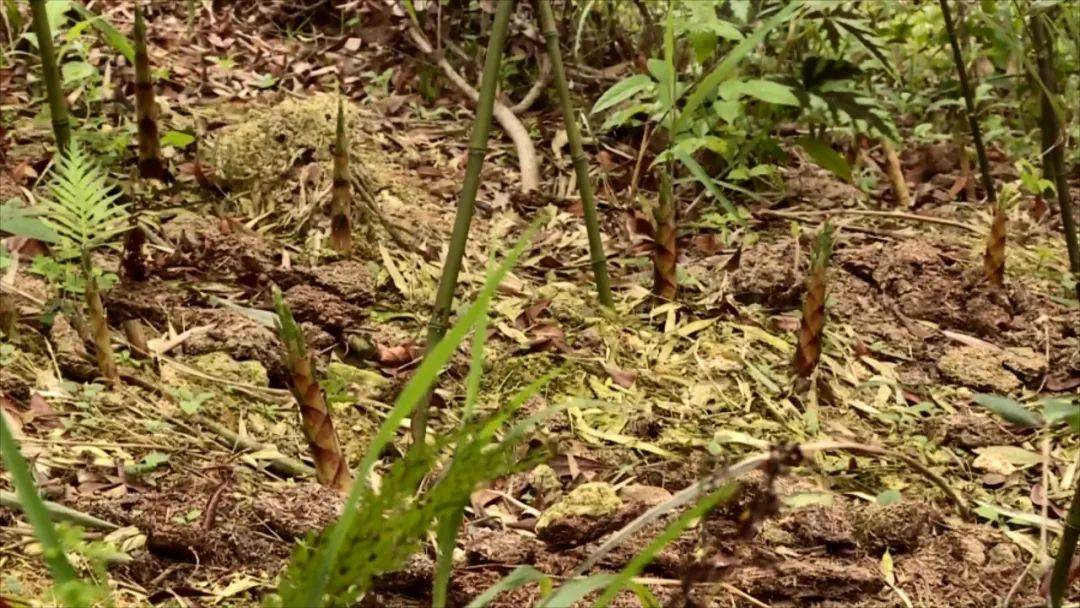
(83, 208)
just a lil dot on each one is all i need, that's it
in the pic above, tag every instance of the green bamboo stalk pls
(34, 508)
(150, 164)
(577, 154)
(969, 103)
(444, 297)
(1053, 145)
(1059, 579)
(57, 104)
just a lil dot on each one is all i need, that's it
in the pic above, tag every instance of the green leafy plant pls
(189, 401)
(84, 213)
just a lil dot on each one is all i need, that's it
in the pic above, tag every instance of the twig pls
(60, 512)
(528, 163)
(870, 212)
(279, 464)
(715, 480)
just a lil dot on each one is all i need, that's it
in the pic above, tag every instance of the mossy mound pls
(279, 158)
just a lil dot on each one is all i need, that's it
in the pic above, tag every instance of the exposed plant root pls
(528, 163)
(543, 79)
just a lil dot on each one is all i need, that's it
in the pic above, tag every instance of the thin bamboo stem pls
(57, 104)
(1059, 578)
(1053, 145)
(577, 154)
(969, 103)
(444, 297)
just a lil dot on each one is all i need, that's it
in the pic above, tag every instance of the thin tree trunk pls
(444, 297)
(577, 153)
(665, 243)
(57, 104)
(341, 193)
(331, 469)
(812, 326)
(1053, 152)
(99, 326)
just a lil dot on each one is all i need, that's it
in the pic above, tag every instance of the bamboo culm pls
(1059, 577)
(444, 297)
(57, 104)
(1053, 146)
(577, 152)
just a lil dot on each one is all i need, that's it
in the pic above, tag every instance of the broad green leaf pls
(621, 91)
(56, 11)
(888, 497)
(726, 68)
(704, 44)
(728, 111)
(823, 154)
(112, 36)
(177, 139)
(1011, 454)
(77, 70)
(699, 174)
(1057, 410)
(771, 92)
(20, 221)
(1008, 409)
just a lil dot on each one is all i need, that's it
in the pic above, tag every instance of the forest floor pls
(655, 395)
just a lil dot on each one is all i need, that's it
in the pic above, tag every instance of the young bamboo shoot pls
(665, 246)
(151, 165)
(331, 469)
(812, 326)
(994, 257)
(341, 194)
(99, 326)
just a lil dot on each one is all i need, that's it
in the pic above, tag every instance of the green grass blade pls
(34, 508)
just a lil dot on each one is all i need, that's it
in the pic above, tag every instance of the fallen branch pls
(896, 215)
(715, 480)
(59, 512)
(527, 159)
